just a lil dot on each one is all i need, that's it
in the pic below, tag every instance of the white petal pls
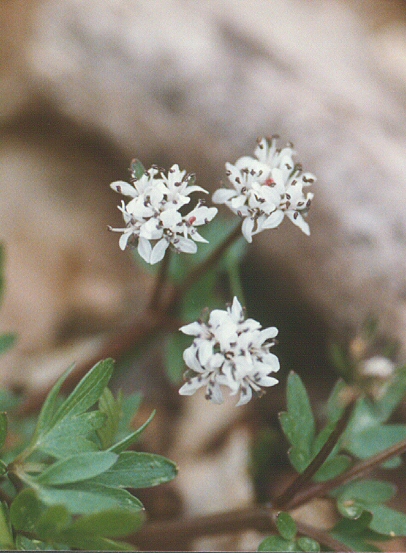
(268, 333)
(192, 329)
(124, 239)
(191, 386)
(299, 221)
(245, 396)
(170, 218)
(274, 220)
(124, 188)
(247, 227)
(158, 251)
(144, 249)
(185, 245)
(222, 195)
(205, 352)
(189, 357)
(267, 381)
(215, 393)
(237, 312)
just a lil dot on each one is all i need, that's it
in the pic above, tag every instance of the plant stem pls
(195, 274)
(160, 281)
(359, 470)
(176, 535)
(285, 499)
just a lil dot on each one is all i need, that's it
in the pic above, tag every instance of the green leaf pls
(393, 395)
(356, 534)
(26, 510)
(335, 405)
(368, 492)
(3, 429)
(52, 522)
(112, 409)
(89, 497)
(87, 392)
(26, 544)
(137, 169)
(68, 436)
(131, 438)
(286, 526)
(96, 543)
(138, 470)
(375, 439)
(175, 345)
(129, 408)
(77, 468)
(298, 423)
(332, 468)
(7, 341)
(6, 537)
(47, 411)
(307, 544)
(111, 523)
(388, 521)
(276, 543)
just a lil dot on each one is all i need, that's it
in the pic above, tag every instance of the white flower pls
(266, 189)
(378, 366)
(152, 216)
(229, 350)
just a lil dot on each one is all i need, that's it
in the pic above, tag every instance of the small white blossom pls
(266, 188)
(229, 350)
(378, 366)
(152, 216)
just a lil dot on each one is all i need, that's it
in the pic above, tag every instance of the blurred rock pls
(196, 83)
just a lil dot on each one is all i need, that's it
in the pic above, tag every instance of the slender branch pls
(177, 534)
(194, 275)
(359, 470)
(322, 537)
(285, 499)
(160, 281)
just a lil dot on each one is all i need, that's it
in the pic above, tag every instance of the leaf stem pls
(359, 470)
(285, 499)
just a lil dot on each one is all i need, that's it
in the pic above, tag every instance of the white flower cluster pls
(266, 188)
(230, 351)
(152, 215)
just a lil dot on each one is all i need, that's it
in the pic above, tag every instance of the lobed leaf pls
(308, 544)
(77, 468)
(131, 438)
(89, 497)
(388, 521)
(6, 536)
(68, 435)
(87, 392)
(298, 423)
(286, 526)
(26, 510)
(138, 470)
(112, 411)
(276, 543)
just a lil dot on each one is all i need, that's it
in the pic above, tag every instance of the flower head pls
(229, 350)
(266, 188)
(152, 217)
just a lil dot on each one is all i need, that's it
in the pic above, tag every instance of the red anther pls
(270, 182)
(192, 220)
